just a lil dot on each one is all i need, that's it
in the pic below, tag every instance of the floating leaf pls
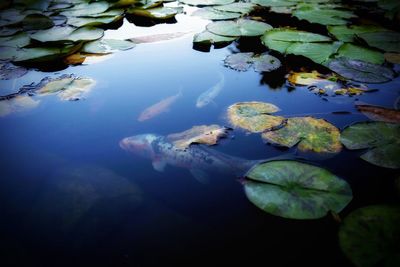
(392, 57)
(206, 2)
(36, 22)
(361, 71)
(75, 59)
(207, 37)
(204, 134)
(18, 40)
(305, 78)
(317, 52)
(43, 54)
(296, 190)
(86, 9)
(8, 53)
(266, 63)
(88, 21)
(17, 104)
(214, 14)
(240, 27)
(238, 7)
(104, 46)
(239, 61)
(348, 33)
(155, 13)
(369, 236)
(388, 41)
(274, 3)
(322, 15)
(352, 51)
(157, 37)
(377, 113)
(313, 135)
(68, 34)
(8, 71)
(380, 137)
(254, 116)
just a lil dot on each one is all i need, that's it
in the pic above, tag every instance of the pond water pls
(72, 197)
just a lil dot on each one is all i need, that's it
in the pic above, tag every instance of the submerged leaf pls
(203, 134)
(313, 135)
(377, 113)
(361, 71)
(9, 71)
(240, 27)
(104, 46)
(369, 236)
(265, 63)
(383, 140)
(239, 61)
(254, 116)
(296, 190)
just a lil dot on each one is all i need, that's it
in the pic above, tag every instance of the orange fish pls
(159, 107)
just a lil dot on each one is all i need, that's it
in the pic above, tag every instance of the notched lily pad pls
(311, 135)
(369, 236)
(203, 134)
(296, 190)
(240, 27)
(254, 116)
(381, 138)
(361, 71)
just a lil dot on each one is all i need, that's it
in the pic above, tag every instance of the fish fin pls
(159, 165)
(200, 176)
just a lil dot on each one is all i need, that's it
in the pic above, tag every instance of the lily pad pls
(317, 52)
(157, 37)
(86, 9)
(206, 2)
(361, 71)
(254, 116)
(305, 78)
(357, 52)
(377, 113)
(88, 21)
(322, 15)
(68, 34)
(265, 63)
(381, 138)
(214, 14)
(203, 134)
(296, 190)
(311, 135)
(392, 57)
(37, 22)
(240, 27)
(206, 37)
(155, 13)
(104, 46)
(369, 236)
(274, 3)
(239, 61)
(8, 71)
(389, 41)
(18, 40)
(43, 54)
(238, 7)
(348, 33)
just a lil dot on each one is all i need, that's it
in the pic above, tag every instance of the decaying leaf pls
(254, 116)
(74, 59)
(381, 138)
(377, 113)
(305, 78)
(296, 190)
(311, 134)
(392, 57)
(203, 134)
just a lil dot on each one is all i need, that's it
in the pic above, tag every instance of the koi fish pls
(159, 107)
(197, 159)
(208, 96)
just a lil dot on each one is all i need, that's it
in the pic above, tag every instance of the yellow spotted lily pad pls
(311, 135)
(296, 190)
(203, 134)
(381, 138)
(254, 116)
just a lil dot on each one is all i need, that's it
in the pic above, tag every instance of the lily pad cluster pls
(310, 134)
(296, 190)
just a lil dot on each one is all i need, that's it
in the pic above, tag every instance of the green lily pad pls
(37, 22)
(86, 9)
(324, 16)
(105, 46)
(206, 37)
(348, 33)
(369, 236)
(155, 13)
(18, 40)
(254, 116)
(239, 61)
(68, 34)
(361, 71)
(381, 138)
(317, 52)
(274, 3)
(238, 7)
(311, 135)
(240, 27)
(206, 2)
(43, 54)
(89, 21)
(388, 41)
(214, 14)
(8, 31)
(296, 190)
(281, 38)
(8, 52)
(357, 52)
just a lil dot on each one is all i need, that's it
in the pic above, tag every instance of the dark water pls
(70, 196)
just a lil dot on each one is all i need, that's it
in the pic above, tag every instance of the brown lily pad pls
(377, 113)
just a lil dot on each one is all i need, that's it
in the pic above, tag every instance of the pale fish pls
(159, 107)
(208, 96)
(199, 160)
